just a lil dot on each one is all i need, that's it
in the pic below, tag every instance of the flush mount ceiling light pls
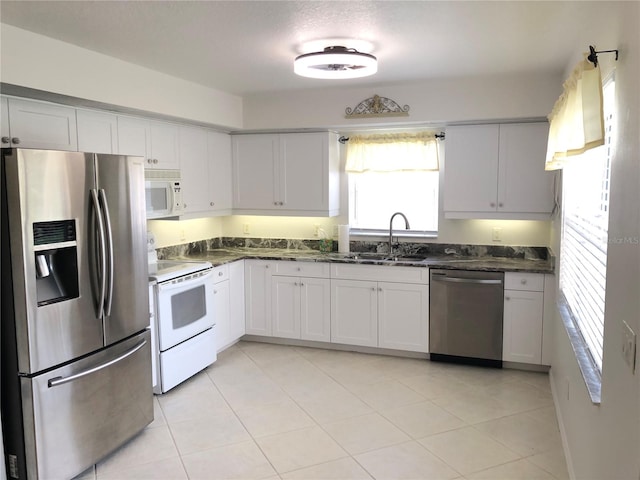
(336, 62)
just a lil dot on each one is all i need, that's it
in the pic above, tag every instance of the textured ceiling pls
(247, 47)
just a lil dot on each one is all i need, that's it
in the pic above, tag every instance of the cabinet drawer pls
(303, 269)
(380, 273)
(221, 273)
(532, 282)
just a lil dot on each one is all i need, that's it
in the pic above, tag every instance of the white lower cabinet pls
(523, 318)
(257, 284)
(228, 303)
(301, 308)
(403, 316)
(354, 312)
(380, 314)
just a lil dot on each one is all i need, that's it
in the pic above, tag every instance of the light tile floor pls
(267, 411)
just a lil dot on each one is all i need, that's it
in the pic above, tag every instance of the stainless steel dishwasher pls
(465, 316)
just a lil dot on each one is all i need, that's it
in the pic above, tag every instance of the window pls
(393, 173)
(583, 247)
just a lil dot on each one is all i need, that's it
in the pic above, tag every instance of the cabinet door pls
(133, 138)
(221, 296)
(403, 316)
(257, 284)
(97, 131)
(164, 145)
(315, 309)
(254, 172)
(42, 125)
(219, 159)
(194, 166)
(471, 168)
(522, 331)
(236, 300)
(523, 184)
(285, 306)
(5, 133)
(303, 171)
(354, 312)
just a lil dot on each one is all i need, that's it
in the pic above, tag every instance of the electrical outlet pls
(183, 237)
(245, 228)
(496, 234)
(629, 346)
(316, 230)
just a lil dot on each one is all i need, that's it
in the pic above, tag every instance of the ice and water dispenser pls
(56, 261)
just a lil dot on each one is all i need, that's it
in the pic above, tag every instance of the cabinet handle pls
(275, 203)
(184, 205)
(299, 269)
(211, 204)
(373, 289)
(215, 292)
(266, 266)
(6, 139)
(15, 140)
(281, 203)
(220, 274)
(379, 289)
(295, 283)
(492, 204)
(501, 204)
(301, 284)
(523, 281)
(155, 160)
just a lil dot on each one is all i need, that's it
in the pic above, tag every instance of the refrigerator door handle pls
(103, 254)
(109, 250)
(54, 382)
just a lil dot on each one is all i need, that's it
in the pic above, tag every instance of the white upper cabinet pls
(286, 174)
(156, 141)
(34, 124)
(4, 122)
(219, 161)
(97, 131)
(205, 162)
(497, 171)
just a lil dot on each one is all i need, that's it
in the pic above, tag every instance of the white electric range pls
(183, 330)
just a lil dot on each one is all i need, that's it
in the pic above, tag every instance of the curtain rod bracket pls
(593, 54)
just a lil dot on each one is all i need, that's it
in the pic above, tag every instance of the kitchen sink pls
(380, 257)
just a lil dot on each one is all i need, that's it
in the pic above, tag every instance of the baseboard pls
(563, 432)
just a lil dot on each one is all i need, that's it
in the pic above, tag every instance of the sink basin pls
(367, 256)
(383, 257)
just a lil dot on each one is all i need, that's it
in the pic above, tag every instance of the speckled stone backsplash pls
(403, 248)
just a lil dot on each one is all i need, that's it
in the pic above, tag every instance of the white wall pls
(434, 102)
(604, 441)
(175, 232)
(38, 62)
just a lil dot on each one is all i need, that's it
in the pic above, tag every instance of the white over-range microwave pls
(163, 193)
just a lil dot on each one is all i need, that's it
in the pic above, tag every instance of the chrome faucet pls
(406, 226)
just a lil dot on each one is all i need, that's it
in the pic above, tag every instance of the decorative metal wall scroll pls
(377, 106)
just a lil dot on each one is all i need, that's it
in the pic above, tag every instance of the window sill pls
(590, 373)
(396, 233)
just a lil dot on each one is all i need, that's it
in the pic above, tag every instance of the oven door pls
(184, 309)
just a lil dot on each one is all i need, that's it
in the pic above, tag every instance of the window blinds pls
(583, 257)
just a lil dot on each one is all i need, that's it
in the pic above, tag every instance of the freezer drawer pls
(77, 414)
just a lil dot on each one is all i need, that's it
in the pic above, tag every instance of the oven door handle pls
(466, 280)
(170, 285)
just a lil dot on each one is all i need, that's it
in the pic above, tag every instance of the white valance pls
(576, 123)
(392, 152)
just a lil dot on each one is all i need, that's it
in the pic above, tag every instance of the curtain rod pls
(343, 139)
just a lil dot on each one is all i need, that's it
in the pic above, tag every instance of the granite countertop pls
(222, 256)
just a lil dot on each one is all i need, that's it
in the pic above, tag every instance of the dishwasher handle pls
(477, 281)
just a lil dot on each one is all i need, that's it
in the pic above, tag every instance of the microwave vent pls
(156, 174)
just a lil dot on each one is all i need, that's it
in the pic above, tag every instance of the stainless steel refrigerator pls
(76, 360)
